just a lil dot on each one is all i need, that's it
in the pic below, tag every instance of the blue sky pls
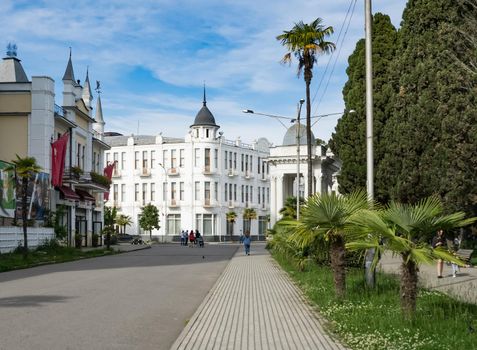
(153, 56)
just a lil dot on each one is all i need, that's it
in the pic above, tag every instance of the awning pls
(85, 196)
(68, 193)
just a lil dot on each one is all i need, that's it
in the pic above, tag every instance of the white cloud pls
(229, 44)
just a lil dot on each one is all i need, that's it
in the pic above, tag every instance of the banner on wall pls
(7, 191)
(38, 197)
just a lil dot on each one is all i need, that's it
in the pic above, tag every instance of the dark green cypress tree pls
(348, 141)
(431, 136)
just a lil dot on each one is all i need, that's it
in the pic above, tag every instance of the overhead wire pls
(333, 52)
(348, 17)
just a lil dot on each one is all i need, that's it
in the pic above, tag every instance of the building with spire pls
(30, 121)
(194, 181)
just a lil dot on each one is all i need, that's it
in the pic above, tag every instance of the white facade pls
(193, 181)
(283, 171)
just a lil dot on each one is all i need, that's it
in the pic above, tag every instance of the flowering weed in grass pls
(371, 319)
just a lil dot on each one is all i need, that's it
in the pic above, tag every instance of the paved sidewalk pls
(462, 287)
(254, 305)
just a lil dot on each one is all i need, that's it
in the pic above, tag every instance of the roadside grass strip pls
(371, 319)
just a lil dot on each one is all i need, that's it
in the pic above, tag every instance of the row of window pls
(176, 189)
(207, 225)
(230, 193)
(173, 159)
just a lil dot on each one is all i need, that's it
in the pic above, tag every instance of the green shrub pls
(100, 179)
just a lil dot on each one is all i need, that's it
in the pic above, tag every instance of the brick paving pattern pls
(254, 305)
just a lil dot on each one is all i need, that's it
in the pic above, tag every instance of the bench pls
(465, 254)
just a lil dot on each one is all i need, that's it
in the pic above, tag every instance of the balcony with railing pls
(173, 171)
(59, 111)
(248, 175)
(145, 172)
(116, 173)
(173, 203)
(231, 204)
(207, 170)
(232, 173)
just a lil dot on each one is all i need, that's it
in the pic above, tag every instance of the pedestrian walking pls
(182, 237)
(191, 238)
(439, 240)
(247, 240)
(454, 247)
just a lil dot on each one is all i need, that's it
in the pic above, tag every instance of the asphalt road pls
(137, 300)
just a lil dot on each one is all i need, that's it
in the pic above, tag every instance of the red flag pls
(108, 172)
(58, 156)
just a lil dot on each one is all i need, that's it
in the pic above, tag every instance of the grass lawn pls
(47, 254)
(372, 319)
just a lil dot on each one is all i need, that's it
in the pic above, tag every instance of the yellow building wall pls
(15, 103)
(81, 122)
(13, 137)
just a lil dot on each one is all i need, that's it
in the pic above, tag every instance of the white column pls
(279, 191)
(89, 226)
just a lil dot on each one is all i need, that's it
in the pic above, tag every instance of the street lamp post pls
(165, 199)
(369, 271)
(298, 160)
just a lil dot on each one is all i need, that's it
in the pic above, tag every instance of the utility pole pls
(298, 160)
(370, 272)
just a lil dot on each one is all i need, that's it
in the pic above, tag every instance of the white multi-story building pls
(194, 182)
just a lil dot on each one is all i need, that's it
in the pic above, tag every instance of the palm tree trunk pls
(338, 266)
(308, 76)
(408, 288)
(24, 216)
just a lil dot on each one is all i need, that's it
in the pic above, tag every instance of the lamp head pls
(247, 111)
(302, 101)
(351, 111)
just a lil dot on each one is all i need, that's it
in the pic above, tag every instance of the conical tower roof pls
(87, 93)
(69, 74)
(204, 117)
(11, 70)
(99, 111)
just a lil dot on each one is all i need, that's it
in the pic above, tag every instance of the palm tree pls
(25, 168)
(231, 216)
(122, 221)
(289, 209)
(325, 218)
(249, 214)
(405, 230)
(109, 221)
(306, 42)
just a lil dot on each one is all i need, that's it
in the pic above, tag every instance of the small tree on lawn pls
(149, 219)
(109, 221)
(25, 168)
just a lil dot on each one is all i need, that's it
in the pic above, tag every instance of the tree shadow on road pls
(32, 300)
